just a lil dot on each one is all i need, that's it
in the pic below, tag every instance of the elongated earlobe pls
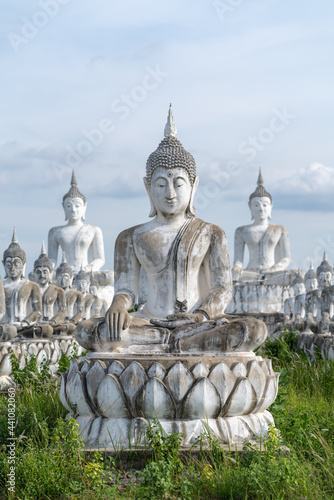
(190, 209)
(153, 211)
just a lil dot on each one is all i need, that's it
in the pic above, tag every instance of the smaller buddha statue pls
(294, 307)
(23, 297)
(326, 293)
(268, 244)
(75, 303)
(82, 284)
(7, 331)
(82, 243)
(53, 297)
(100, 306)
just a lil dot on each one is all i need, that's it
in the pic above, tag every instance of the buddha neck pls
(263, 223)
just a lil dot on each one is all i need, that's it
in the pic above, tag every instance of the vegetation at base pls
(51, 464)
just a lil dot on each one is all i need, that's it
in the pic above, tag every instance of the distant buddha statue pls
(93, 304)
(187, 266)
(295, 306)
(82, 243)
(23, 297)
(75, 304)
(53, 297)
(268, 244)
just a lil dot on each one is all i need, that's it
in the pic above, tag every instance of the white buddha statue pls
(22, 296)
(268, 244)
(82, 243)
(186, 262)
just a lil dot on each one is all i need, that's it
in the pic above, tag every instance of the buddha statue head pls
(74, 203)
(82, 281)
(171, 180)
(64, 274)
(311, 282)
(260, 202)
(324, 273)
(94, 286)
(14, 260)
(298, 284)
(43, 268)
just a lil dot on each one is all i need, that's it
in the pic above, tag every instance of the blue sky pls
(251, 83)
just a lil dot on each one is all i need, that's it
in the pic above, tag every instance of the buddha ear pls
(271, 207)
(250, 210)
(190, 209)
(84, 212)
(153, 211)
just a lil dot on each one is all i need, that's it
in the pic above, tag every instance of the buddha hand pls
(181, 319)
(117, 317)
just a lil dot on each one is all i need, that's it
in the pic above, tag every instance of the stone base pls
(130, 434)
(312, 344)
(50, 349)
(255, 297)
(114, 396)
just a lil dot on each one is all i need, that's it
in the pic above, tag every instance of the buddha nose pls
(170, 191)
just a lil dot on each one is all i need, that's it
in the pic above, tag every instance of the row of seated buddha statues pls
(264, 284)
(311, 309)
(41, 308)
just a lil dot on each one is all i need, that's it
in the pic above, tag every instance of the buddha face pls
(43, 275)
(260, 208)
(311, 284)
(325, 279)
(14, 268)
(170, 191)
(64, 280)
(82, 285)
(298, 289)
(75, 209)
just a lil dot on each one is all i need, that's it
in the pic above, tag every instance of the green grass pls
(51, 465)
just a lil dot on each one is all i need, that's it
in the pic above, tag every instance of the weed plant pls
(51, 463)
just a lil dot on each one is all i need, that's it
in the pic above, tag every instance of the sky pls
(87, 85)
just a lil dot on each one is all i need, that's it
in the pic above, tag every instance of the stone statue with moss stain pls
(23, 297)
(186, 262)
(178, 358)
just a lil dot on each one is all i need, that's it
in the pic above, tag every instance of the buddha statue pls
(7, 331)
(23, 297)
(268, 244)
(187, 267)
(294, 307)
(75, 303)
(82, 243)
(53, 297)
(93, 304)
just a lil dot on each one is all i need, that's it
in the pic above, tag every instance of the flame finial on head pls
(14, 249)
(260, 191)
(74, 191)
(170, 127)
(170, 153)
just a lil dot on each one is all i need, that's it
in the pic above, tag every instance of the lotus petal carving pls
(111, 399)
(179, 381)
(155, 401)
(242, 399)
(202, 401)
(223, 379)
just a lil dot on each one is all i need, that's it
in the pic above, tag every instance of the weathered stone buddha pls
(23, 297)
(82, 243)
(53, 297)
(93, 304)
(187, 266)
(268, 244)
(75, 303)
(295, 306)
